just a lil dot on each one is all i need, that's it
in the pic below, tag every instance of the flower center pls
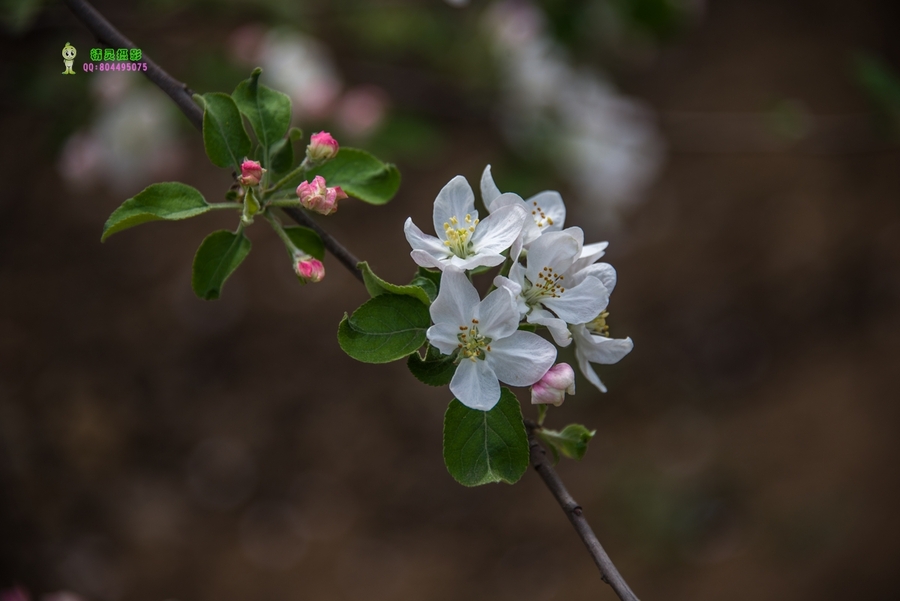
(598, 325)
(537, 213)
(459, 239)
(472, 345)
(548, 284)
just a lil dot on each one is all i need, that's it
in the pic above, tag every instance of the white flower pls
(487, 344)
(592, 341)
(556, 288)
(547, 210)
(464, 241)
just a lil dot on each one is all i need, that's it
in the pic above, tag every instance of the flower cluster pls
(552, 279)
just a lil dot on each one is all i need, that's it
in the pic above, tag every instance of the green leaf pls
(434, 369)
(360, 175)
(376, 286)
(306, 240)
(385, 328)
(432, 276)
(486, 446)
(268, 111)
(281, 157)
(171, 201)
(216, 259)
(426, 285)
(224, 136)
(571, 442)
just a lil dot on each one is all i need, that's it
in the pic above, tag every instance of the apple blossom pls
(308, 269)
(549, 291)
(322, 147)
(251, 172)
(317, 196)
(553, 387)
(483, 336)
(463, 240)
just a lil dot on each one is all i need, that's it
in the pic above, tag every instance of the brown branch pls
(182, 96)
(544, 467)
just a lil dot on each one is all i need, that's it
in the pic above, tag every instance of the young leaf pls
(361, 175)
(571, 442)
(170, 201)
(306, 240)
(385, 328)
(268, 111)
(224, 136)
(219, 255)
(435, 369)
(426, 285)
(485, 446)
(281, 156)
(376, 286)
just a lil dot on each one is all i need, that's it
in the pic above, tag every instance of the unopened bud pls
(322, 147)
(308, 269)
(251, 172)
(317, 196)
(552, 388)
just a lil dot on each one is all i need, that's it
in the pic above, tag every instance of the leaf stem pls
(303, 167)
(227, 205)
(276, 225)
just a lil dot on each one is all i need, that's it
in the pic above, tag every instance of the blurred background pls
(739, 155)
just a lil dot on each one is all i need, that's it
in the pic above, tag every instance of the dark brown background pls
(747, 448)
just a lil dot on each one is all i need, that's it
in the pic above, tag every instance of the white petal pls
(580, 304)
(419, 240)
(604, 272)
(424, 259)
(554, 249)
(456, 199)
(444, 336)
(606, 351)
(455, 303)
(589, 255)
(497, 232)
(489, 190)
(522, 359)
(475, 385)
(497, 314)
(516, 290)
(484, 259)
(551, 204)
(557, 327)
(587, 370)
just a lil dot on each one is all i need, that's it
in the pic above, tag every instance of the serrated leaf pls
(486, 446)
(170, 201)
(427, 285)
(385, 328)
(572, 441)
(434, 369)
(268, 111)
(376, 286)
(360, 175)
(306, 240)
(219, 255)
(224, 137)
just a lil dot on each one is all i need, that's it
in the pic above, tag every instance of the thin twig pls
(544, 467)
(181, 94)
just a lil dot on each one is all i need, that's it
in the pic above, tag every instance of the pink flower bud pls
(317, 196)
(309, 269)
(322, 147)
(552, 388)
(251, 172)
